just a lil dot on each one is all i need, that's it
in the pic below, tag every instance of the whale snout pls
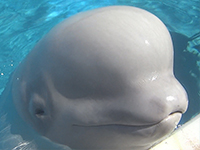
(155, 101)
(176, 98)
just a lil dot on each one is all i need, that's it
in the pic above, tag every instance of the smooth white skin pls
(102, 79)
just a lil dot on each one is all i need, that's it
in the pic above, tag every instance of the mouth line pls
(124, 125)
(175, 112)
(111, 125)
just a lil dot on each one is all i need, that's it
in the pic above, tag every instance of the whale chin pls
(120, 136)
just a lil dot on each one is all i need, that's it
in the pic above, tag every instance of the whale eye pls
(37, 106)
(39, 112)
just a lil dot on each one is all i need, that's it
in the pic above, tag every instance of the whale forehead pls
(79, 44)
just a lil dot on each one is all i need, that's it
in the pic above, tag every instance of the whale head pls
(101, 79)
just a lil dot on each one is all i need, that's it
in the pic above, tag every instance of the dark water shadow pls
(187, 71)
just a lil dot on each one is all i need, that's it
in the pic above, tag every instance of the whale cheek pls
(61, 129)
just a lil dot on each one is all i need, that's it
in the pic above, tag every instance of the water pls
(23, 23)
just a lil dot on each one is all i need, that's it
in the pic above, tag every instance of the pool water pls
(23, 23)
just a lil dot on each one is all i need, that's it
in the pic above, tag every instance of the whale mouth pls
(176, 114)
(132, 135)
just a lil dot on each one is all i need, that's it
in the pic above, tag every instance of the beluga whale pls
(101, 79)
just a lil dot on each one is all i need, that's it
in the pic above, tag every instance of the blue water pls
(23, 23)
